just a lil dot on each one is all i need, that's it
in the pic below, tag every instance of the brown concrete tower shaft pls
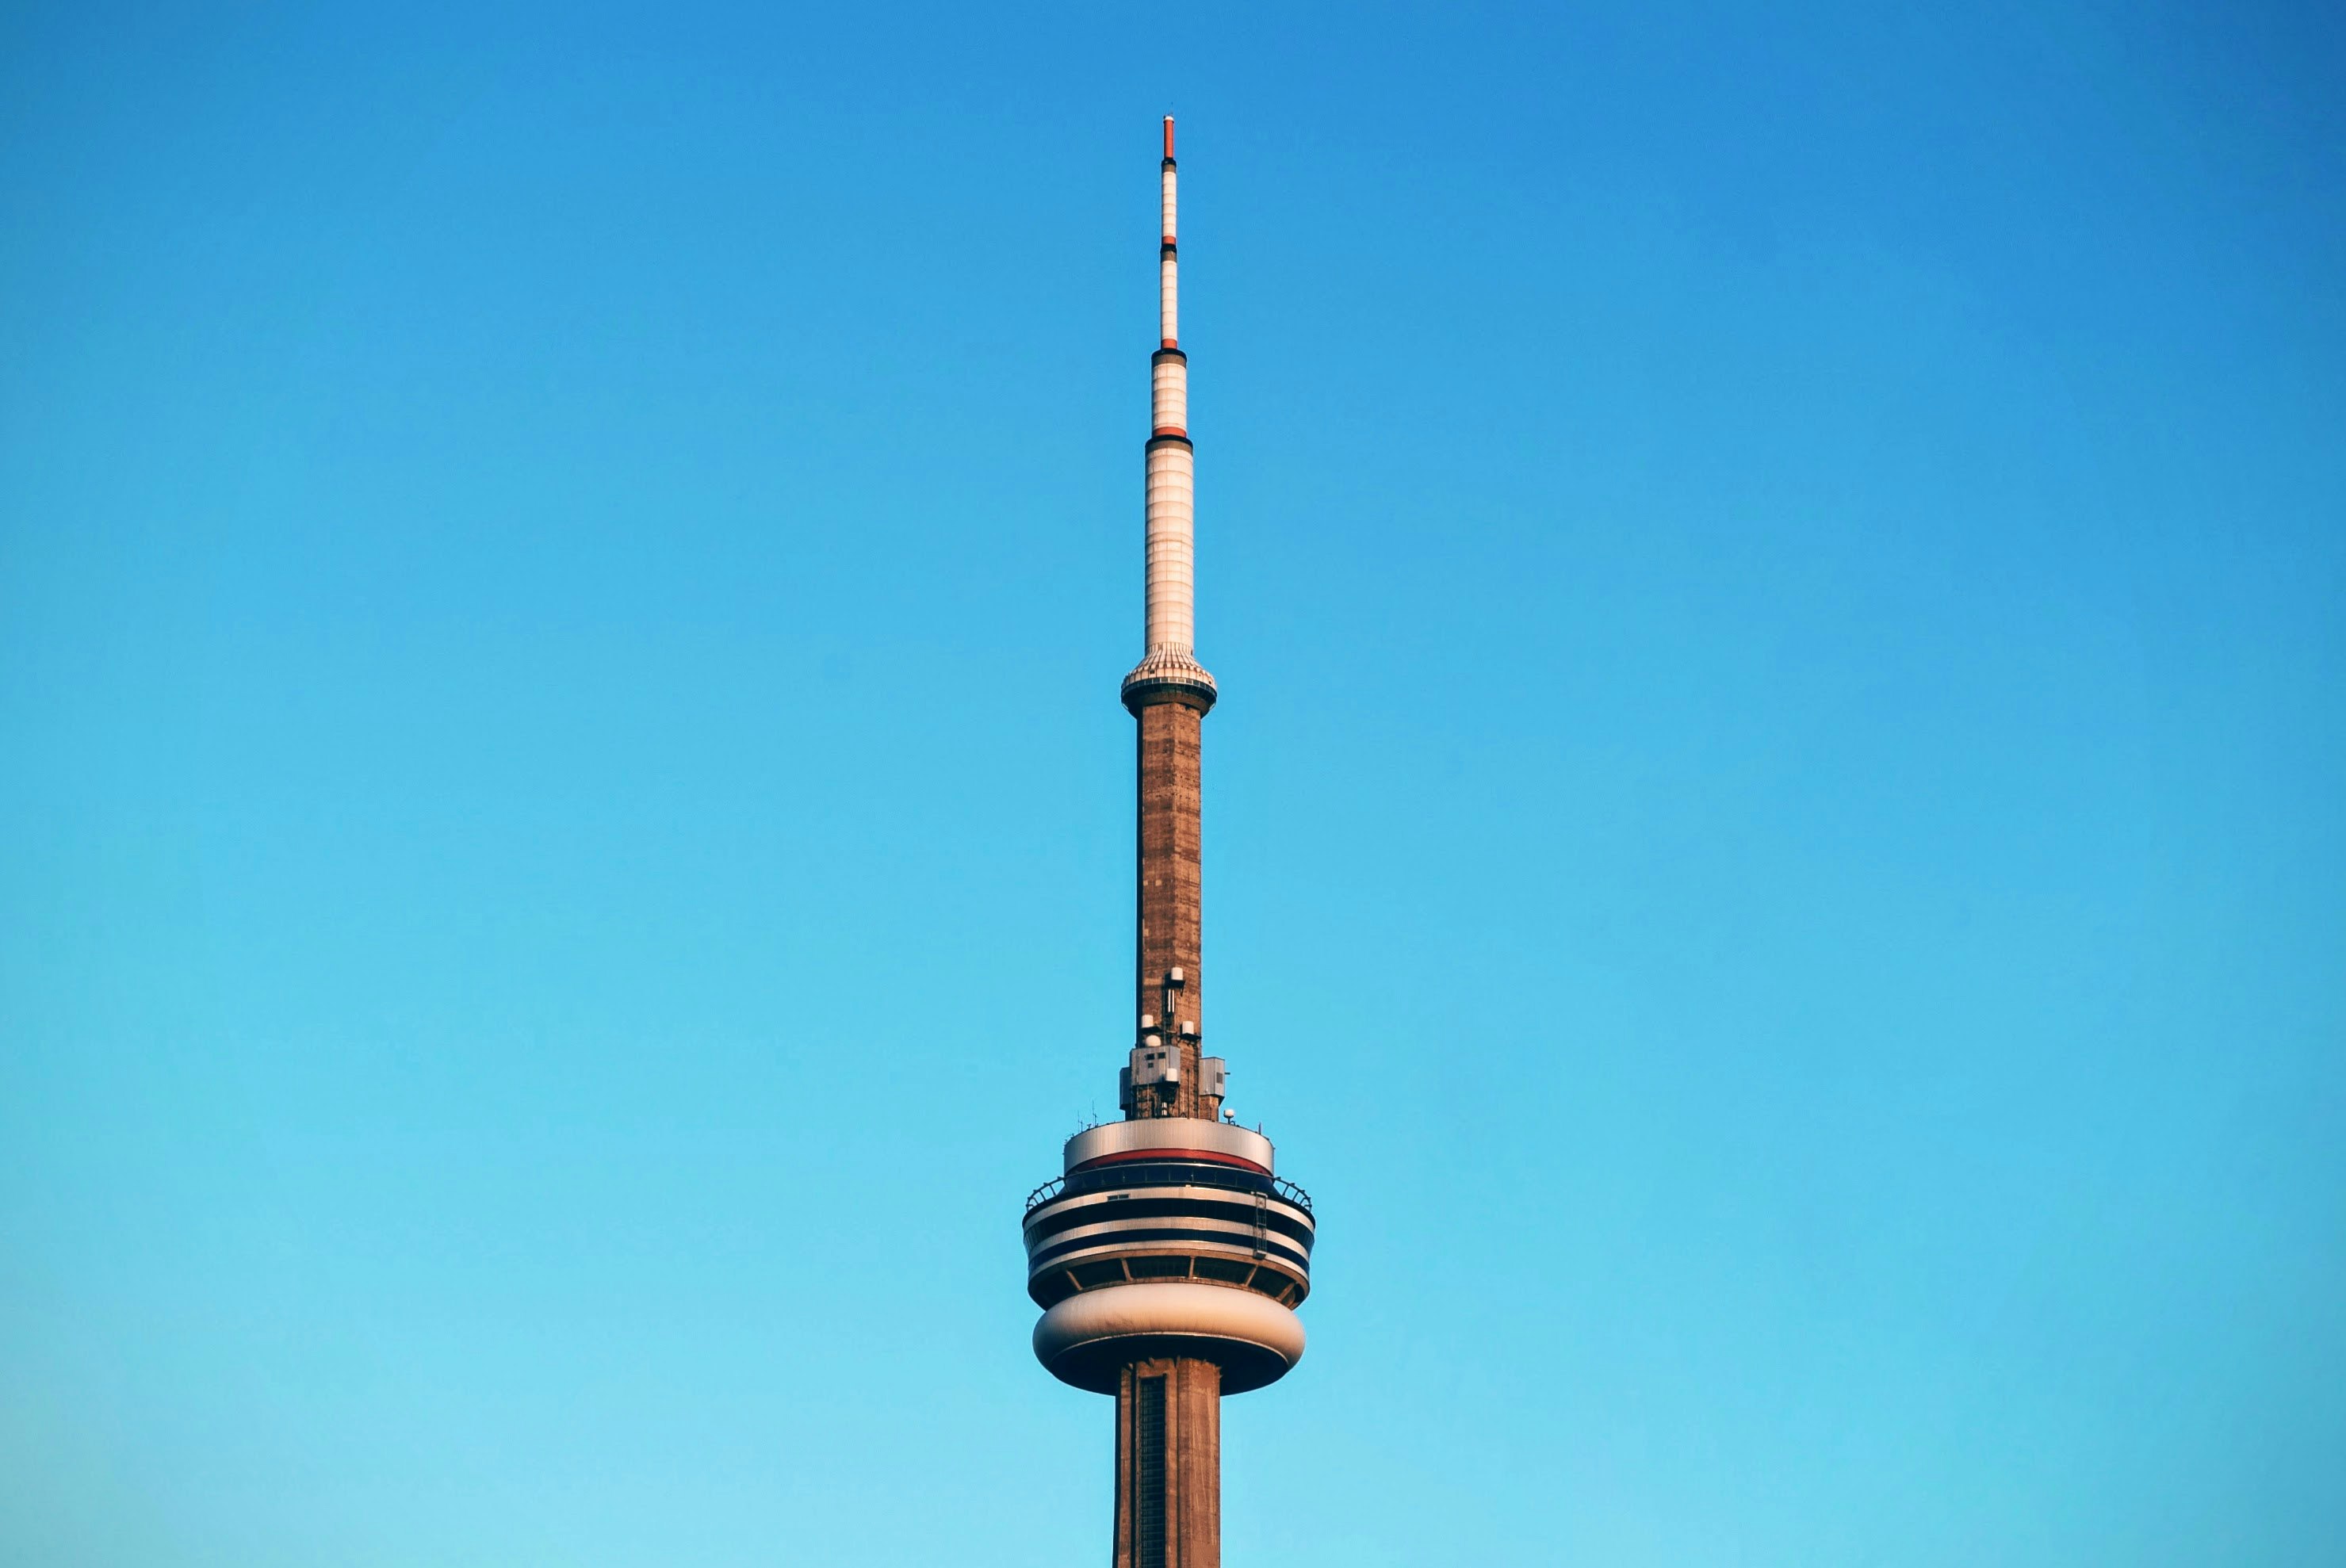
(1168, 926)
(1168, 1465)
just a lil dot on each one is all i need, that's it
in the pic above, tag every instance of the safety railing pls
(1166, 1173)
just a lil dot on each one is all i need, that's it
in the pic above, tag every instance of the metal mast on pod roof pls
(1168, 1258)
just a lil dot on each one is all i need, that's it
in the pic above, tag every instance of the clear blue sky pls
(1776, 857)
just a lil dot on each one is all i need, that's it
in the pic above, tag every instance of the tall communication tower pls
(1169, 1257)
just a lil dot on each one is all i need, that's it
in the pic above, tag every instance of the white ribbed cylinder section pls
(1168, 201)
(1207, 1311)
(1172, 522)
(1168, 301)
(1169, 403)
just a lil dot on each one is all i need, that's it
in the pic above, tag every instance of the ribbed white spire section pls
(1169, 658)
(1169, 298)
(1172, 525)
(1172, 466)
(1168, 265)
(1169, 402)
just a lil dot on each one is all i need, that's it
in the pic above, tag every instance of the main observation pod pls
(1169, 1237)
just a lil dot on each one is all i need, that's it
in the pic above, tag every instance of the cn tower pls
(1169, 1257)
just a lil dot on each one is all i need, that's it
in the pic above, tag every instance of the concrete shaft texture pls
(1168, 1465)
(1170, 914)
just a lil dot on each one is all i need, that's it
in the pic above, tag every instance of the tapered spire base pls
(1169, 675)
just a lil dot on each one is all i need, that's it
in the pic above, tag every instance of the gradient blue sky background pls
(1776, 857)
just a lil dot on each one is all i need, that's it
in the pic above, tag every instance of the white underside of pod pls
(1169, 1308)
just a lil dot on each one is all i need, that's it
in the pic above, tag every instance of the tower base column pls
(1168, 1465)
